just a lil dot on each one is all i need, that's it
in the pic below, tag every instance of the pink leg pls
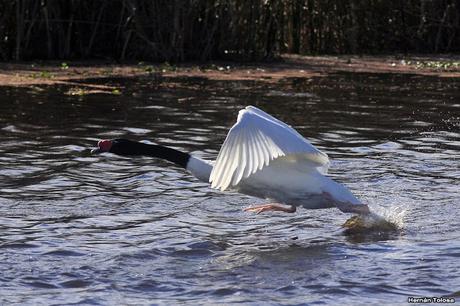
(271, 207)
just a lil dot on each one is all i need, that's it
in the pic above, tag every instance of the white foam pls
(393, 214)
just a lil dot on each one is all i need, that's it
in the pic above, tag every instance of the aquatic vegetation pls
(437, 65)
(116, 91)
(42, 74)
(84, 91)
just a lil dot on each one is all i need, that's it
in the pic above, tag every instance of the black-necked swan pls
(262, 157)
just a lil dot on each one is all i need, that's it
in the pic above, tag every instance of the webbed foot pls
(271, 207)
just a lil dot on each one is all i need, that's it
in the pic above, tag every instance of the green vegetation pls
(42, 74)
(436, 65)
(178, 30)
(116, 91)
(84, 91)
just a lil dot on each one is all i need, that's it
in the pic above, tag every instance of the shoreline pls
(91, 74)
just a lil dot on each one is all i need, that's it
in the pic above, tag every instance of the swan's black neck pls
(132, 148)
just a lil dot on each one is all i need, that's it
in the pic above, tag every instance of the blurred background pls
(227, 29)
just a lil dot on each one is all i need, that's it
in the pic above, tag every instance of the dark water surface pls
(103, 229)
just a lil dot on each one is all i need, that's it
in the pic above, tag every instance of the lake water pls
(97, 230)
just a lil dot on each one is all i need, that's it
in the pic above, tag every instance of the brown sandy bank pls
(90, 75)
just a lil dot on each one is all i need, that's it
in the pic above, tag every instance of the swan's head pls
(103, 146)
(116, 146)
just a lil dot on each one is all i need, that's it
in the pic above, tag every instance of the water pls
(83, 229)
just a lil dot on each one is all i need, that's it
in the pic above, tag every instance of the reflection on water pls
(78, 228)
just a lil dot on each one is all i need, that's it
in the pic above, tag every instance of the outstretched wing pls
(253, 142)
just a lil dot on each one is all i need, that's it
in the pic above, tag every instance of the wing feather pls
(253, 142)
(265, 156)
(264, 151)
(254, 155)
(247, 169)
(241, 162)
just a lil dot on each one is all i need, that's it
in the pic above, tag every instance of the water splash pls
(395, 215)
(380, 219)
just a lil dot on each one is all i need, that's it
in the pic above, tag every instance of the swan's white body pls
(266, 158)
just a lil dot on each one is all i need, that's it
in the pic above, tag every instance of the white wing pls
(256, 139)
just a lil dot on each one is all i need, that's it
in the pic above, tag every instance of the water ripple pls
(83, 229)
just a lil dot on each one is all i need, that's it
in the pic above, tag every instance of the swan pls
(262, 157)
